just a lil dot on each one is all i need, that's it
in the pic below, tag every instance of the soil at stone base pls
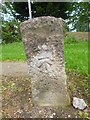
(17, 103)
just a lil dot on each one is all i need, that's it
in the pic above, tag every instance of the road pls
(14, 68)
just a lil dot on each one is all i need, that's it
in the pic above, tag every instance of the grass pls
(76, 57)
(12, 52)
(76, 54)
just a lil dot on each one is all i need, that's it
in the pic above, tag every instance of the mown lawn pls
(76, 55)
(13, 52)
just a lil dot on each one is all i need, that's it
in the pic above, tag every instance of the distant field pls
(79, 35)
(76, 54)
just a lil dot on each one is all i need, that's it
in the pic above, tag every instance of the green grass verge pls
(76, 57)
(12, 52)
(76, 54)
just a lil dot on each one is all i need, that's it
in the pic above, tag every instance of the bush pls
(10, 32)
(70, 40)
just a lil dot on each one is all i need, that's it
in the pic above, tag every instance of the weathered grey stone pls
(43, 39)
(79, 103)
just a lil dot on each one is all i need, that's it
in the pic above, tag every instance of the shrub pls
(10, 32)
(70, 40)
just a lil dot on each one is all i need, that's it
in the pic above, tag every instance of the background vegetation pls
(10, 31)
(74, 13)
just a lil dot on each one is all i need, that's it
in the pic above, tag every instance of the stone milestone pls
(43, 39)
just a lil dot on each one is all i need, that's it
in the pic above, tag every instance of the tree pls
(76, 13)
(10, 32)
(10, 25)
(78, 16)
(41, 9)
(7, 10)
